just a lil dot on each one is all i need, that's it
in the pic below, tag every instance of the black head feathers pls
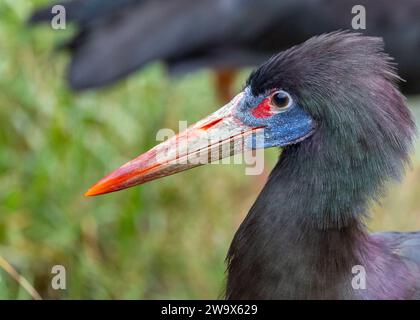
(325, 63)
(364, 131)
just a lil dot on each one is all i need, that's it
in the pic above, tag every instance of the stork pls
(345, 130)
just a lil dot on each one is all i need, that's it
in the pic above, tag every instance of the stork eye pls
(281, 100)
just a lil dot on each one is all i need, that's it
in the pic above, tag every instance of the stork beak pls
(218, 136)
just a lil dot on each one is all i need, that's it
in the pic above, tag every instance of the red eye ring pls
(277, 102)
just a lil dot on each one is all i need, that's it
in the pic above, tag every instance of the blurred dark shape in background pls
(117, 37)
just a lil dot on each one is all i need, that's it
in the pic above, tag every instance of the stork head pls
(338, 85)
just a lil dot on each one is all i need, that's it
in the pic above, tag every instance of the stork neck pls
(304, 234)
(329, 180)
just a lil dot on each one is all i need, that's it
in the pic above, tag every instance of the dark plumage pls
(305, 231)
(333, 106)
(117, 37)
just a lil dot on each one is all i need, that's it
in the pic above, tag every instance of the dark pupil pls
(281, 99)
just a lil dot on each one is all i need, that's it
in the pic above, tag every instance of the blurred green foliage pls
(166, 239)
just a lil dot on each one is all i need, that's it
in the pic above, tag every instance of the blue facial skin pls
(287, 127)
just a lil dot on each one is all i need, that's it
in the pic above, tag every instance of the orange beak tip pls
(91, 193)
(97, 190)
